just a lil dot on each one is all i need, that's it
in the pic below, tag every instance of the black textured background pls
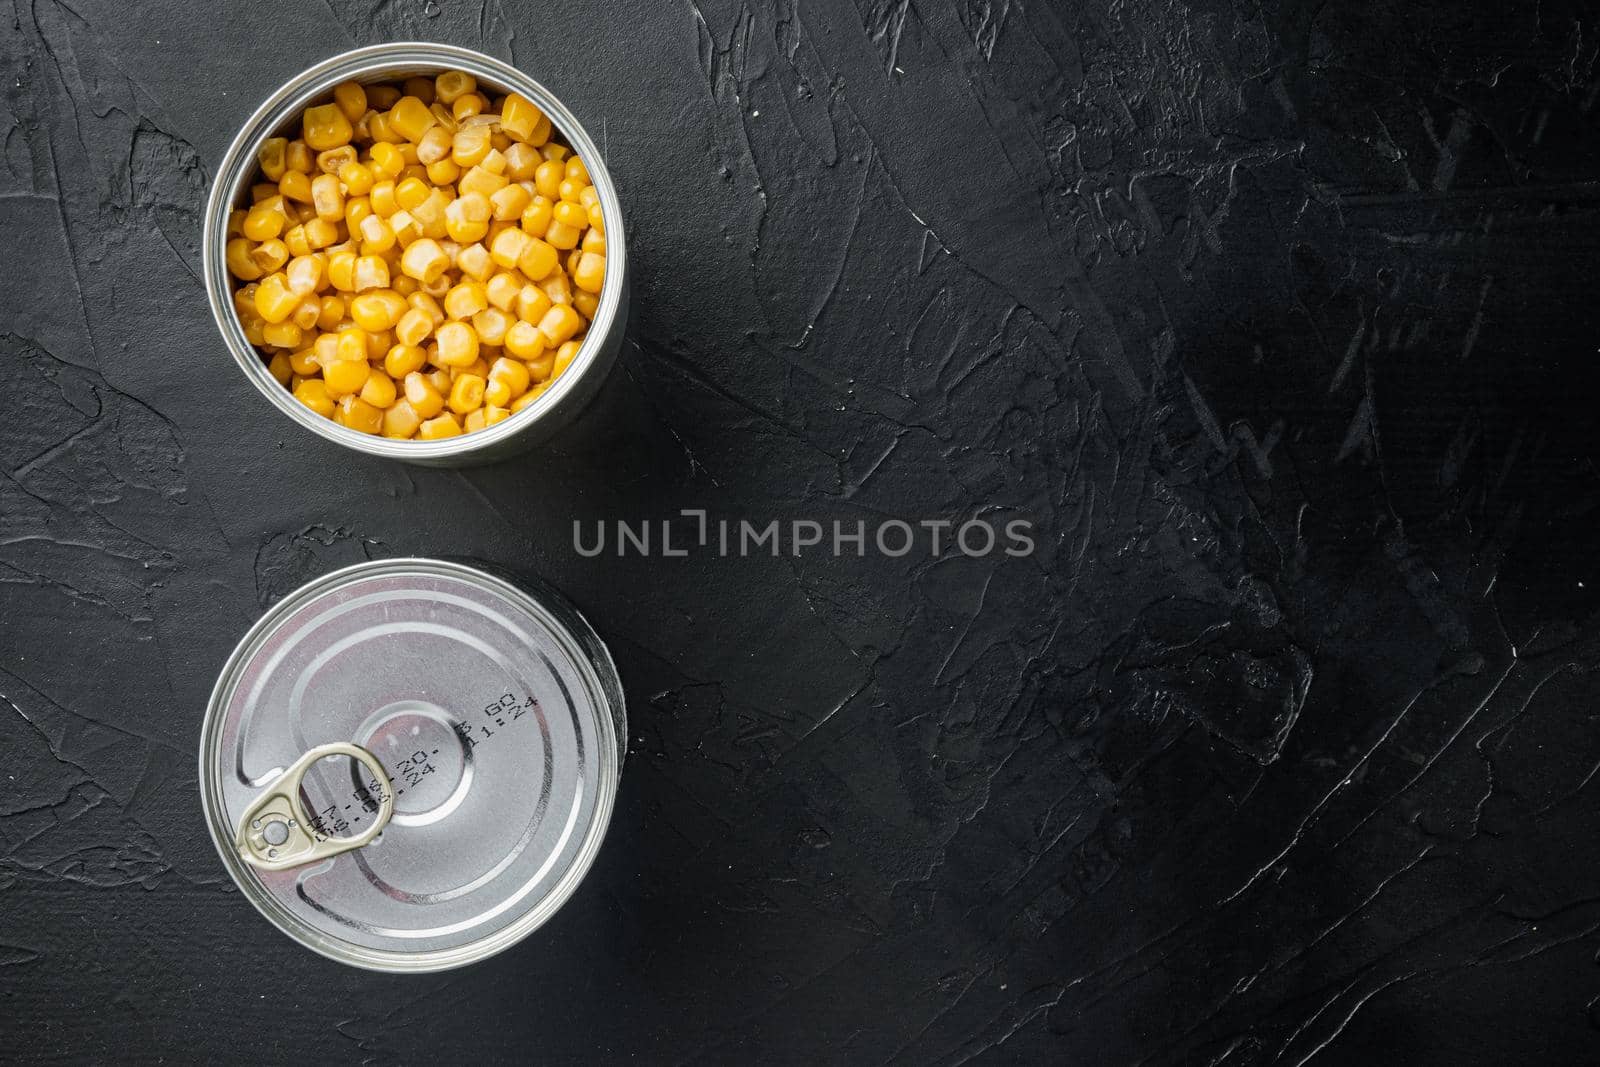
(1277, 319)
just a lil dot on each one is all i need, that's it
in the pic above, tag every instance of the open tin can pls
(408, 765)
(277, 116)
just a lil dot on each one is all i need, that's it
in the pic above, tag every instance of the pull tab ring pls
(276, 833)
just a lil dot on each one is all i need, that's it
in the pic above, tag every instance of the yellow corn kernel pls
(387, 160)
(382, 198)
(491, 325)
(435, 429)
(571, 191)
(481, 180)
(334, 159)
(313, 393)
(458, 344)
(441, 380)
(495, 163)
(467, 105)
(295, 186)
(402, 359)
(274, 300)
(357, 178)
(382, 97)
(262, 191)
(537, 215)
(345, 376)
(342, 270)
(270, 156)
(380, 130)
(326, 348)
(236, 222)
(465, 300)
(420, 87)
(279, 368)
(522, 162)
(547, 179)
(424, 260)
(442, 113)
(597, 219)
(587, 304)
(444, 172)
(410, 192)
(452, 85)
(474, 421)
(407, 230)
(438, 287)
(570, 214)
(532, 303)
(330, 312)
(576, 170)
(240, 265)
(426, 303)
(466, 218)
(564, 357)
(351, 98)
(294, 239)
(282, 334)
(401, 420)
(557, 152)
(320, 233)
(519, 117)
(557, 288)
(356, 210)
(559, 324)
(594, 241)
(350, 343)
(591, 272)
(327, 197)
(509, 202)
(372, 272)
(325, 127)
(357, 414)
(410, 118)
(265, 219)
(475, 262)
(466, 394)
(423, 396)
(307, 312)
(538, 257)
(377, 236)
(512, 372)
(502, 290)
(508, 247)
(380, 390)
(527, 399)
(469, 145)
(298, 156)
(562, 236)
(435, 145)
(377, 310)
(305, 362)
(305, 273)
(524, 341)
(589, 197)
(413, 328)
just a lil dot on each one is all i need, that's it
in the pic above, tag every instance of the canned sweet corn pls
(408, 765)
(372, 267)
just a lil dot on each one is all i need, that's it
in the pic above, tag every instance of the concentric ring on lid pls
(498, 718)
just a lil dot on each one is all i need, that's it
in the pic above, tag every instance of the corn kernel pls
(591, 272)
(407, 228)
(424, 260)
(482, 180)
(306, 362)
(469, 145)
(387, 160)
(357, 414)
(458, 344)
(513, 373)
(435, 145)
(326, 127)
(270, 156)
(320, 233)
(519, 117)
(532, 303)
(314, 395)
(414, 327)
(571, 191)
(587, 304)
(475, 262)
(265, 219)
(377, 310)
(377, 236)
(426, 303)
(330, 312)
(282, 334)
(547, 178)
(411, 119)
(508, 247)
(297, 156)
(295, 186)
(400, 420)
(423, 396)
(410, 192)
(564, 357)
(559, 324)
(467, 105)
(444, 172)
(562, 236)
(524, 341)
(465, 300)
(557, 288)
(357, 209)
(279, 368)
(467, 218)
(402, 359)
(307, 312)
(502, 290)
(305, 273)
(466, 394)
(371, 272)
(522, 162)
(537, 215)
(491, 325)
(594, 241)
(557, 152)
(342, 270)
(443, 426)
(452, 85)
(274, 300)
(510, 202)
(240, 264)
(331, 161)
(538, 258)
(357, 178)
(345, 376)
(527, 399)
(570, 214)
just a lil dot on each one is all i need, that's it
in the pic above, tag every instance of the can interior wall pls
(569, 393)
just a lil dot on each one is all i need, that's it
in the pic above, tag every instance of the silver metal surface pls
(497, 716)
(387, 62)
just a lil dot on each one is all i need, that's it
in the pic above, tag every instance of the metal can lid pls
(498, 720)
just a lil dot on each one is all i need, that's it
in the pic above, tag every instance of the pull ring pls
(276, 832)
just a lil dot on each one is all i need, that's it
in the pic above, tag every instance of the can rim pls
(239, 162)
(604, 697)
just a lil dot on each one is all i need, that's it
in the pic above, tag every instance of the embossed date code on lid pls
(408, 765)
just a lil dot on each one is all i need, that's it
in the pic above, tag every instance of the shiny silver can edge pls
(585, 650)
(571, 391)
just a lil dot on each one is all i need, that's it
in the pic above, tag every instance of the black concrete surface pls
(1278, 323)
